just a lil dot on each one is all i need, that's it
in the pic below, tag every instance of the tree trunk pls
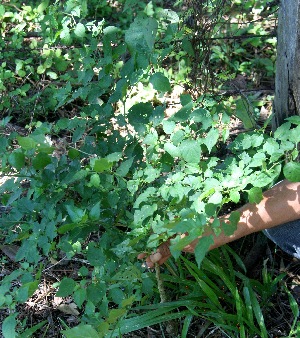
(287, 81)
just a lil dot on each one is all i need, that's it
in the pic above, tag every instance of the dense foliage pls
(98, 173)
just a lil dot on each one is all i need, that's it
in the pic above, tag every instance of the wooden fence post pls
(287, 80)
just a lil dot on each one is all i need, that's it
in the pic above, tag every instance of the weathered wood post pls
(287, 80)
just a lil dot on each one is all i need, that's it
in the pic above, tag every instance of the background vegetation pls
(122, 125)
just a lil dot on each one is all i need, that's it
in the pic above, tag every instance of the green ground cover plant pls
(98, 174)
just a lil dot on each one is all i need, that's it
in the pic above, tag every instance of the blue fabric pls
(287, 237)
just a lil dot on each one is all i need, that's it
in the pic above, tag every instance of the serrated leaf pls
(160, 82)
(291, 171)
(66, 287)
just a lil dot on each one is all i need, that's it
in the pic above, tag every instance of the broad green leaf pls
(230, 227)
(168, 126)
(100, 165)
(291, 171)
(42, 6)
(160, 82)
(178, 137)
(255, 195)
(178, 244)
(202, 248)
(294, 119)
(114, 157)
(172, 150)
(9, 325)
(183, 114)
(26, 291)
(65, 35)
(215, 198)
(124, 167)
(111, 31)
(146, 211)
(79, 30)
(26, 142)
(95, 292)
(211, 139)
(190, 151)
(95, 255)
(81, 331)
(139, 115)
(115, 314)
(95, 181)
(52, 75)
(185, 99)
(151, 139)
(234, 196)
(41, 161)
(16, 159)
(203, 116)
(79, 296)
(187, 46)
(151, 174)
(76, 214)
(143, 197)
(94, 214)
(66, 287)
(40, 69)
(281, 131)
(244, 114)
(140, 36)
(207, 193)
